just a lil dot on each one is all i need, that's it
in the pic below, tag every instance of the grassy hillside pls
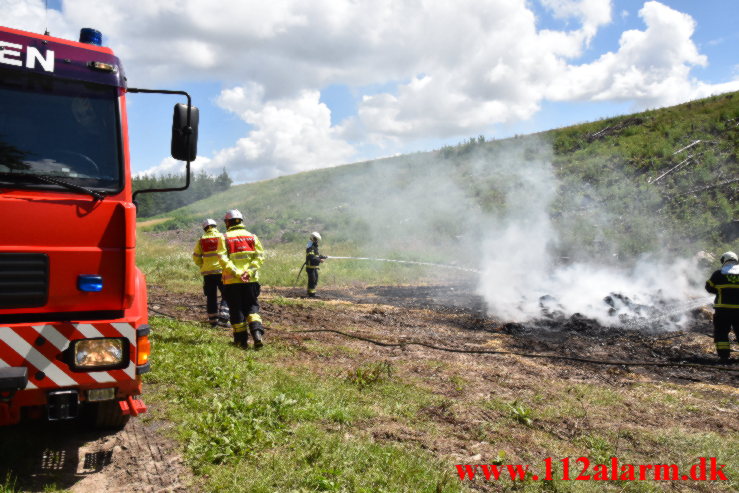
(663, 180)
(319, 411)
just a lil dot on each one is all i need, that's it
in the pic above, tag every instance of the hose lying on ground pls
(491, 351)
(525, 355)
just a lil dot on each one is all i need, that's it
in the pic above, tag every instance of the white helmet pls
(315, 236)
(233, 214)
(729, 256)
(208, 223)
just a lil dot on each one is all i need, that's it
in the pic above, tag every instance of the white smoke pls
(524, 275)
(542, 247)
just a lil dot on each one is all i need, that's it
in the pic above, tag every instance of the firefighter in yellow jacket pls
(241, 257)
(206, 257)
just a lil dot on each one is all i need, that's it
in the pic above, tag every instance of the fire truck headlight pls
(101, 353)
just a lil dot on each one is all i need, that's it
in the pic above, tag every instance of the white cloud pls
(170, 166)
(448, 69)
(651, 68)
(288, 136)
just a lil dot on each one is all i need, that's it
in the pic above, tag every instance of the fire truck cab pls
(73, 305)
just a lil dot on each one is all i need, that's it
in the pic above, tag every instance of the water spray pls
(431, 264)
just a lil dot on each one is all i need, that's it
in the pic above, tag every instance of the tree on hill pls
(202, 185)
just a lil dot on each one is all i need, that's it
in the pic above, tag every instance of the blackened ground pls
(453, 317)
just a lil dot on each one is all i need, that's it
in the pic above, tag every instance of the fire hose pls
(491, 351)
(413, 262)
(515, 353)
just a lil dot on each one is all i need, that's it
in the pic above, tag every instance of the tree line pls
(202, 185)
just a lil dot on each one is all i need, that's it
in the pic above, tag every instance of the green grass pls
(249, 422)
(293, 418)
(170, 263)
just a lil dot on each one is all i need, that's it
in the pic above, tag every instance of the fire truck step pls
(132, 406)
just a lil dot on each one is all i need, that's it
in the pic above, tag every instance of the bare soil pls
(71, 456)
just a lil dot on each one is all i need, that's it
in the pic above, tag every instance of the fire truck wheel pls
(107, 415)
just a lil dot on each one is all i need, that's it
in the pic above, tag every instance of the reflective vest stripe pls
(242, 255)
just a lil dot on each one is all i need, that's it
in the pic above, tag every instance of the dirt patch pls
(70, 456)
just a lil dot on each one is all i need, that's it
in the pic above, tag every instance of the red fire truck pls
(73, 307)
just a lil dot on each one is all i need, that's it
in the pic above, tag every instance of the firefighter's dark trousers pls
(312, 280)
(724, 320)
(243, 304)
(212, 284)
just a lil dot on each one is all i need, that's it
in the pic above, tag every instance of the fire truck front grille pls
(23, 280)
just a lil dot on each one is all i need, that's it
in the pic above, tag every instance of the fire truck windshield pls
(61, 129)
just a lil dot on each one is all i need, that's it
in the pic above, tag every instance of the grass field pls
(311, 413)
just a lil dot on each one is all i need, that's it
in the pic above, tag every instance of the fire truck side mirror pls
(184, 136)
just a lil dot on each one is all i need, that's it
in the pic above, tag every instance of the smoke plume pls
(544, 246)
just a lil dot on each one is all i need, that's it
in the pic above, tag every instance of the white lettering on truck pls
(10, 54)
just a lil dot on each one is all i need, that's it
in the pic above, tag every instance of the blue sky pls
(286, 86)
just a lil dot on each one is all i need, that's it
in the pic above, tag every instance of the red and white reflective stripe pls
(34, 357)
(17, 349)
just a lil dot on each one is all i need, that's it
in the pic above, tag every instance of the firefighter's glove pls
(245, 276)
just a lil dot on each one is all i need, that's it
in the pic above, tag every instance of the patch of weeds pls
(601, 449)
(9, 484)
(458, 382)
(521, 413)
(370, 374)
(499, 459)
(235, 427)
(316, 460)
(282, 301)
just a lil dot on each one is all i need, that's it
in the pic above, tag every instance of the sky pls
(285, 86)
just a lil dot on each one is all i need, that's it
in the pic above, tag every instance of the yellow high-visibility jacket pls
(206, 254)
(242, 251)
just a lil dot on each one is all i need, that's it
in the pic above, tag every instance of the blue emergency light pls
(91, 36)
(90, 283)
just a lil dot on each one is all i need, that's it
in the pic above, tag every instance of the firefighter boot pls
(241, 339)
(723, 350)
(256, 330)
(241, 336)
(724, 355)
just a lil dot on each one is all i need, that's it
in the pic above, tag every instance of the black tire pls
(107, 415)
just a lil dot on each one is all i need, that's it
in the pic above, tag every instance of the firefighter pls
(312, 261)
(206, 256)
(724, 283)
(241, 258)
